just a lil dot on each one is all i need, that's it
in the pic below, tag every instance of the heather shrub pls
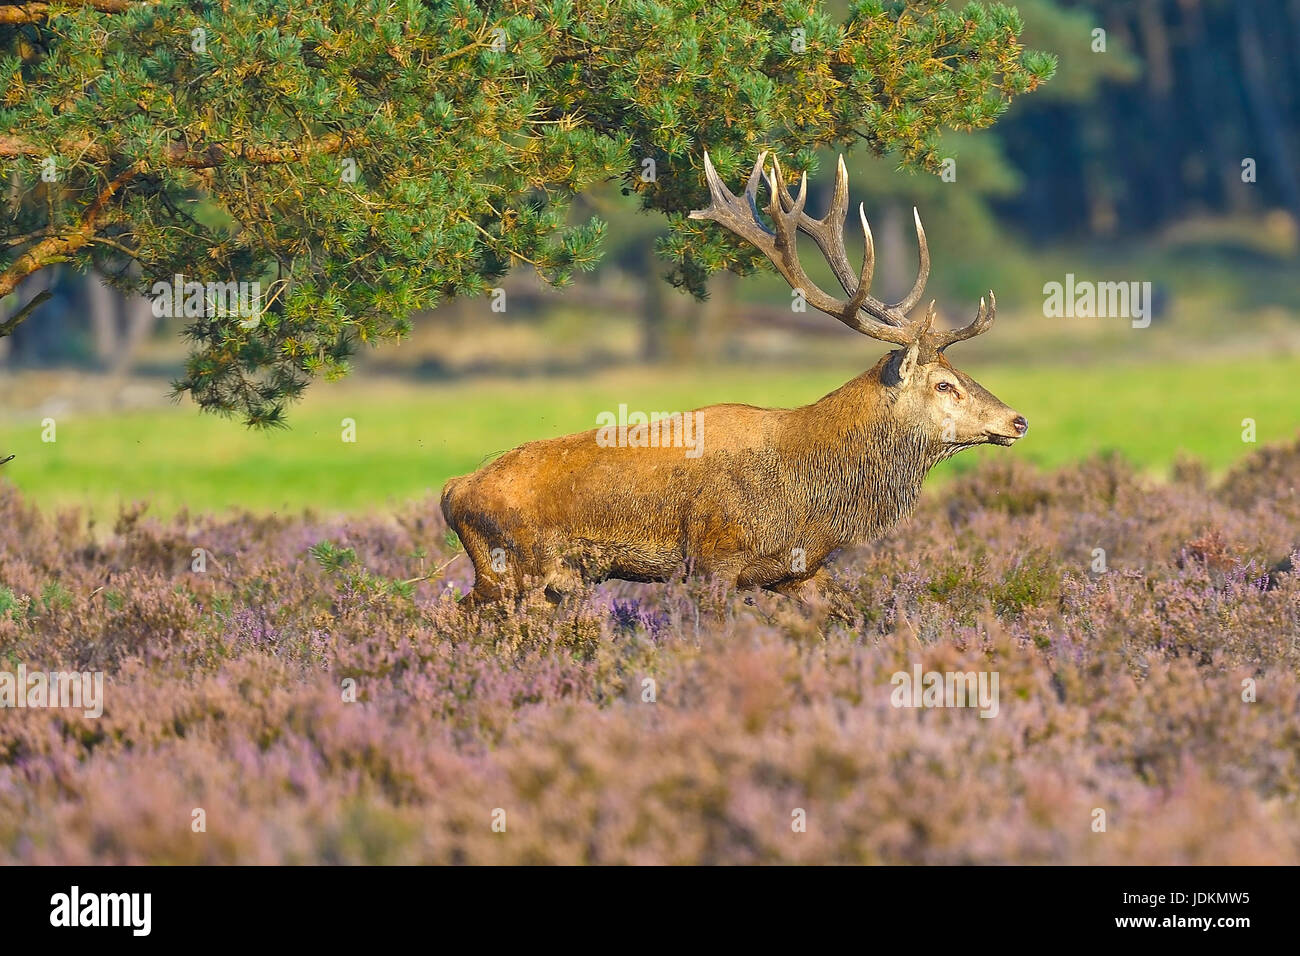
(314, 689)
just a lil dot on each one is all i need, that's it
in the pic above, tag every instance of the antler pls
(828, 233)
(881, 321)
(888, 323)
(983, 319)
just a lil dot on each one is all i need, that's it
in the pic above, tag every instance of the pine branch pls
(180, 155)
(19, 13)
(58, 248)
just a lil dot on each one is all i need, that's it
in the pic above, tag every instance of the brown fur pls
(772, 495)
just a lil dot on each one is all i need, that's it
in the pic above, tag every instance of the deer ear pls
(907, 364)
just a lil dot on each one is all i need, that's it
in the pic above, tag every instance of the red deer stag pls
(762, 496)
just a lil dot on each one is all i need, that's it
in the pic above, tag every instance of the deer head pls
(926, 391)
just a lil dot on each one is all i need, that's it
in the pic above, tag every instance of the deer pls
(764, 496)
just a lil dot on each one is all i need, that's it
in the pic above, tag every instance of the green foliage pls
(9, 604)
(55, 597)
(1067, 31)
(468, 144)
(359, 582)
(1032, 582)
(331, 557)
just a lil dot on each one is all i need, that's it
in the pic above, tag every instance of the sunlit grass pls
(411, 437)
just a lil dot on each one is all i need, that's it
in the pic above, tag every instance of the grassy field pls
(411, 437)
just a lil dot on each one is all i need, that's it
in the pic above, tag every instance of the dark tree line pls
(1217, 84)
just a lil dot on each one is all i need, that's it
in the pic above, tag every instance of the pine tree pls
(362, 160)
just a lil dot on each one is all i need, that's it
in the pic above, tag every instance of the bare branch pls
(7, 327)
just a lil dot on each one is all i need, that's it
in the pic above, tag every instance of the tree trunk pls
(654, 308)
(140, 321)
(103, 305)
(716, 317)
(1269, 123)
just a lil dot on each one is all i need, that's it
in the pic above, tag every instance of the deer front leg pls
(821, 589)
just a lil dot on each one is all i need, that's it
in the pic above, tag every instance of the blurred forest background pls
(1166, 150)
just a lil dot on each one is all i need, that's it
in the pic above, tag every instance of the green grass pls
(411, 438)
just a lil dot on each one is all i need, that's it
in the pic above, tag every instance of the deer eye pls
(943, 387)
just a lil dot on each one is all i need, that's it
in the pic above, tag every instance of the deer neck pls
(862, 466)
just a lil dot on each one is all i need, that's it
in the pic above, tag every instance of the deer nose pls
(1020, 425)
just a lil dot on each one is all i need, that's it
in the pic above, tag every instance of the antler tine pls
(838, 210)
(983, 321)
(732, 213)
(908, 302)
(860, 296)
(718, 191)
(828, 233)
(751, 187)
(780, 246)
(782, 203)
(869, 256)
